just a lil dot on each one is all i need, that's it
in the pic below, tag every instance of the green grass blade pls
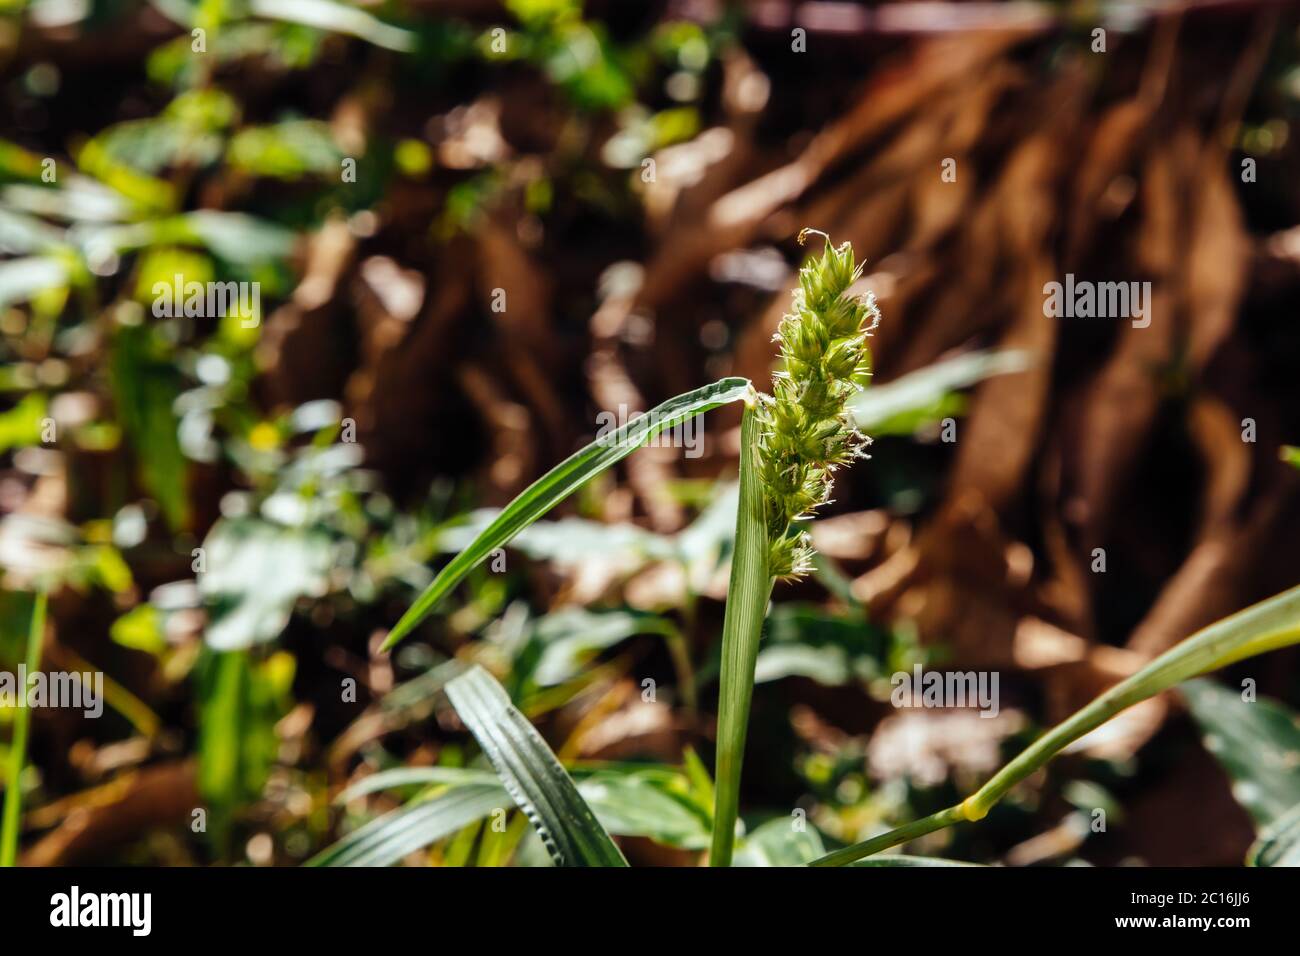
(898, 859)
(1279, 844)
(626, 802)
(384, 841)
(742, 625)
(560, 482)
(1262, 627)
(18, 745)
(531, 774)
(415, 776)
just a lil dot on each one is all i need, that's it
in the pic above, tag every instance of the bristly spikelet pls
(806, 429)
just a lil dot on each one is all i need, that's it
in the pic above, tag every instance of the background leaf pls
(145, 388)
(1279, 843)
(777, 843)
(926, 395)
(255, 572)
(1257, 742)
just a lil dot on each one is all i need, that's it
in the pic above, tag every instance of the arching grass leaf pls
(11, 816)
(386, 840)
(416, 776)
(561, 481)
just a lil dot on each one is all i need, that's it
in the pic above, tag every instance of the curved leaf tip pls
(560, 482)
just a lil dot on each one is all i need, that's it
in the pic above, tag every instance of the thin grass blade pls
(531, 774)
(560, 482)
(384, 841)
(415, 776)
(898, 859)
(18, 745)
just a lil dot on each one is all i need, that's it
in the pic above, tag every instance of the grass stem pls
(18, 746)
(1263, 627)
(747, 596)
(910, 831)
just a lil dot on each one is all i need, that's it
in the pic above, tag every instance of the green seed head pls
(806, 429)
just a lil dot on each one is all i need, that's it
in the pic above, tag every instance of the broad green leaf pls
(287, 150)
(571, 637)
(149, 195)
(561, 481)
(336, 18)
(145, 387)
(748, 591)
(901, 406)
(1263, 627)
(235, 237)
(566, 541)
(141, 629)
(240, 701)
(535, 780)
(256, 571)
(629, 804)
(833, 649)
(1279, 843)
(700, 546)
(778, 843)
(1258, 743)
(21, 425)
(18, 163)
(27, 235)
(80, 199)
(190, 131)
(384, 841)
(21, 279)
(828, 666)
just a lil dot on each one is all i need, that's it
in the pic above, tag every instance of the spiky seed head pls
(806, 429)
